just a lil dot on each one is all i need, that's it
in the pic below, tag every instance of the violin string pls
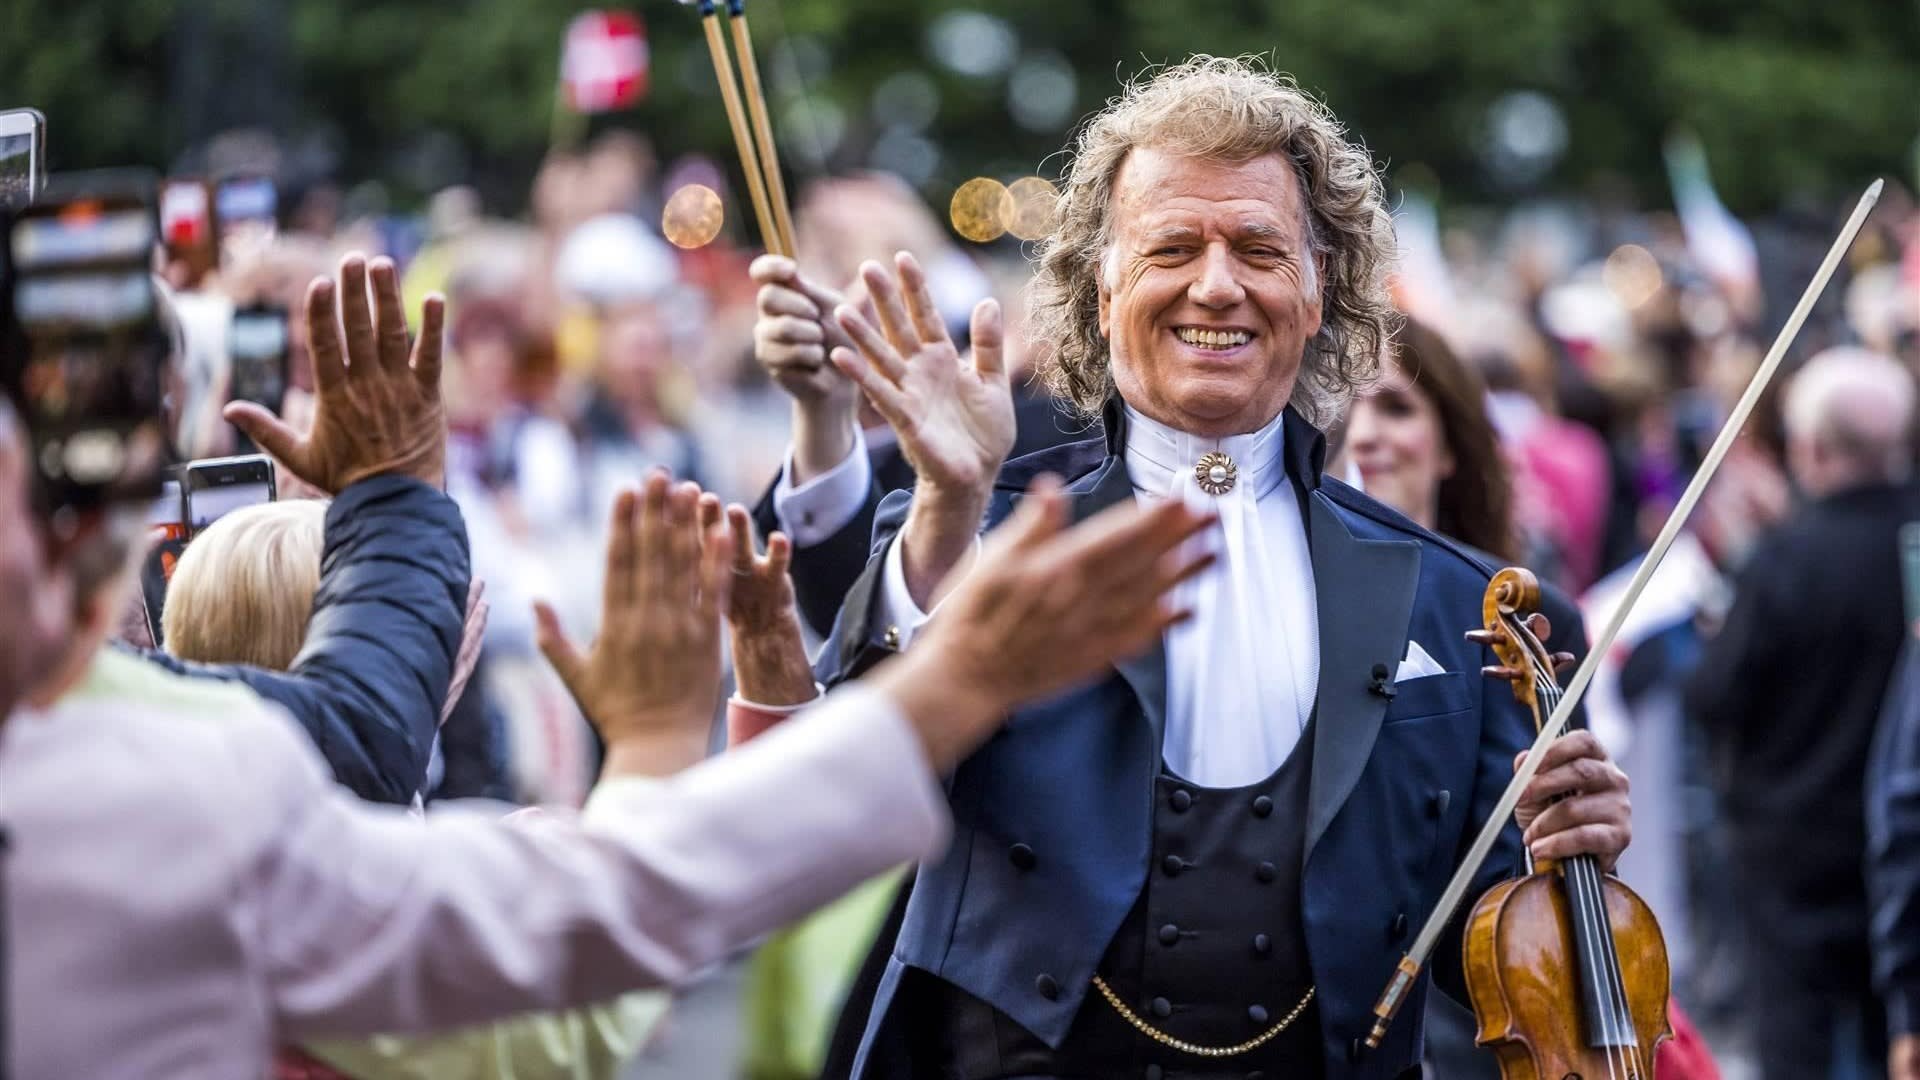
(1580, 876)
(1574, 874)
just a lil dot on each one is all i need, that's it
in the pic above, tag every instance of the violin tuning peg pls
(1482, 637)
(1542, 628)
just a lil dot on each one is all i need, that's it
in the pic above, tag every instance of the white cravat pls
(1242, 672)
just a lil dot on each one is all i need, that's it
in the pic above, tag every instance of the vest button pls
(1047, 987)
(1022, 857)
(1169, 935)
(1257, 1013)
(1162, 1008)
(1262, 944)
(1172, 865)
(1265, 872)
(1399, 929)
(1437, 805)
(1262, 806)
(1155, 1072)
(1180, 800)
(891, 639)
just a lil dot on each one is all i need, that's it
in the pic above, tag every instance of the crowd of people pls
(749, 483)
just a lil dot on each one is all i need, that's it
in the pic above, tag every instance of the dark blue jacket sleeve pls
(1893, 847)
(825, 572)
(370, 680)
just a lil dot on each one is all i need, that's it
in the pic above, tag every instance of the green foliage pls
(1788, 96)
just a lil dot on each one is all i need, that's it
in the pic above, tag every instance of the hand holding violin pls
(1593, 815)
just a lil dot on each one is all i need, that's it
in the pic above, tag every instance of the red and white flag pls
(604, 64)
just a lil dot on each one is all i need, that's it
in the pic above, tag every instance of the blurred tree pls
(1789, 97)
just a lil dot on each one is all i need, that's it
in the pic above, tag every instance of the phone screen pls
(83, 296)
(219, 487)
(257, 346)
(20, 166)
(245, 207)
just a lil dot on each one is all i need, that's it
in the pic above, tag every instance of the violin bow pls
(1415, 959)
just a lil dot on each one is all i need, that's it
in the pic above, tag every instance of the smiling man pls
(1206, 863)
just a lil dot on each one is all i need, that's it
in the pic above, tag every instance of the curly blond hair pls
(1233, 109)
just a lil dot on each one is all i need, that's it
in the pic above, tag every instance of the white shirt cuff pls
(781, 710)
(815, 510)
(899, 615)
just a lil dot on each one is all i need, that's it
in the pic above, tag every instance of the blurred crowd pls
(1569, 365)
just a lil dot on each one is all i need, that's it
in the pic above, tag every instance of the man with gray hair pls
(1789, 693)
(1206, 862)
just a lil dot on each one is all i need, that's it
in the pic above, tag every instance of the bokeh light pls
(1631, 274)
(981, 210)
(693, 217)
(1034, 202)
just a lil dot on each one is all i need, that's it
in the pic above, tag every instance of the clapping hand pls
(650, 680)
(954, 418)
(769, 653)
(377, 409)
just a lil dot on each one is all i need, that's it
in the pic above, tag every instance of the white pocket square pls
(1417, 665)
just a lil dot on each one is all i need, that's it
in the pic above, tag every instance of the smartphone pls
(23, 162)
(257, 349)
(168, 518)
(91, 356)
(212, 488)
(187, 228)
(246, 208)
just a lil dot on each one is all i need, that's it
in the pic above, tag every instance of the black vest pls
(1213, 953)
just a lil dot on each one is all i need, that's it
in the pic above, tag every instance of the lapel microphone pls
(1380, 684)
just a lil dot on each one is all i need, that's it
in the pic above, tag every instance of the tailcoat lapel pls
(1364, 591)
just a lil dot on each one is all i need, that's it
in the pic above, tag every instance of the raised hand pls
(1047, 606)
(377, 409)
(954, 418)
(650, 680)
(769, 652)
(793, 333)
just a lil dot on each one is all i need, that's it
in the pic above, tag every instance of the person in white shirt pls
(1207, 861)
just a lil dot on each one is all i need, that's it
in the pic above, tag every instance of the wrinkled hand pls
(1046, 606)
(650, 680)
(473, 632)
(769, 651)
(1596, 817)
(793, 334)
(1903, 1058)
(378, 407)
(954, 418)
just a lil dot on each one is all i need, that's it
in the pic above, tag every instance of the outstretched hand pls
(954, 418)
(377, 409)
(650, 680)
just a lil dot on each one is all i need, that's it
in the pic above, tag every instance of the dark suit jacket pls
(1893, 848)
(1398, 784)
(823, 572)
(387, 618)
(1789, 693)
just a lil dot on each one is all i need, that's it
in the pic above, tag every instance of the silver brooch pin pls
(1215, 473)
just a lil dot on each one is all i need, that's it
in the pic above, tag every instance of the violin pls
(1566, 965)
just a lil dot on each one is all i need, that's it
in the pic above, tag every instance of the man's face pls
(36, 604)
(1206, 301)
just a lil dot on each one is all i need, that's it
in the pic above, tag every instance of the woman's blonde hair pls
(1232, 109)
(243, 590)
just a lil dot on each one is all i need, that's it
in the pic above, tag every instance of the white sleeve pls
(365, 920)
(899, 613)
(815, 510)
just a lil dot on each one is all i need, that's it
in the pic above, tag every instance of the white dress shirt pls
(1243, 672)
